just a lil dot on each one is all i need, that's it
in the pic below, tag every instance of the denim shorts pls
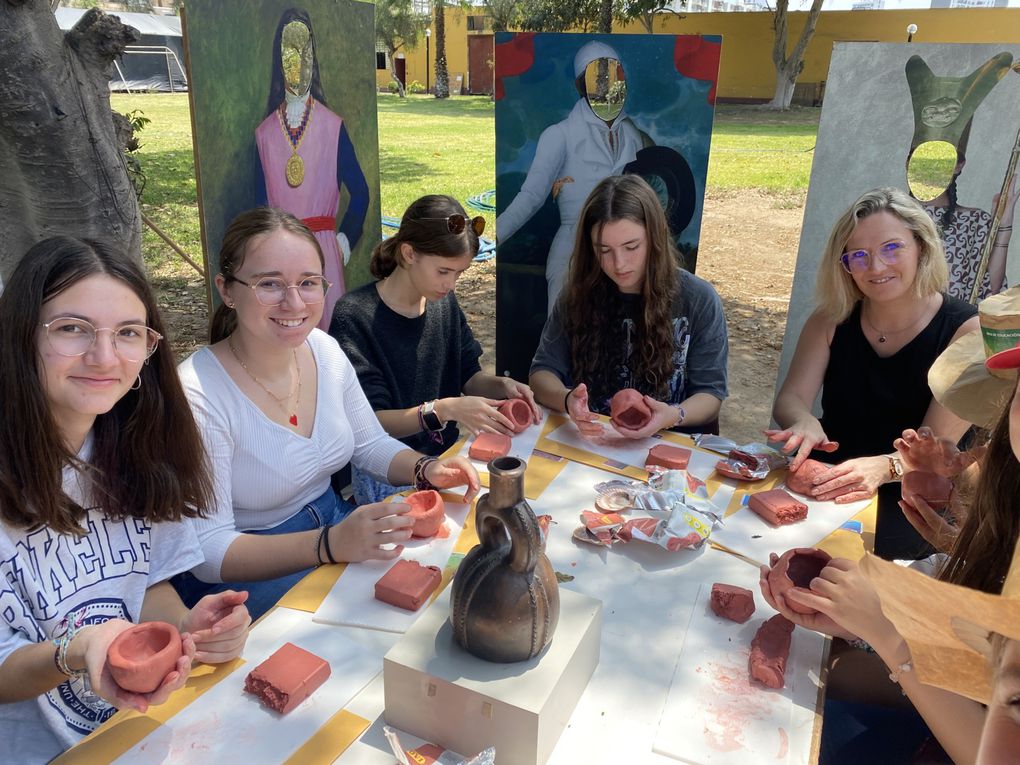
(327, 509)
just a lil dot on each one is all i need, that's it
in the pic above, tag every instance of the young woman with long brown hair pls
(630, 317)
(280, 410)
(410, 342)
(101, 471)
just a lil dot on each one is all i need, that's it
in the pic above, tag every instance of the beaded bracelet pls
(62, 644)
(421, 483)
(895, 675)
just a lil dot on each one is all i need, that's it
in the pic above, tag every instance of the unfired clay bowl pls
(139, 658)
(428, 513)
(627, 409)
(794, 570)
(518, 412)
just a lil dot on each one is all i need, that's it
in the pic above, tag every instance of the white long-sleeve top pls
(263, 473)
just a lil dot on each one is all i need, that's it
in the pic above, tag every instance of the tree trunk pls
(605, 17)
(442, 75)
(62, 168)
(648, 21)
(393, 72)
(789, 67)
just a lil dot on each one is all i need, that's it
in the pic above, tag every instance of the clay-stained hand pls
(361, 535)
(663, 416)
(516, 389)
(852, 480)
(800, 439)
(97, 642)
(921, 449)
(817, 622)
(476, 414)
(454, 471)
(558, 185)
(577, 409)
(939, 531)
(844, 594)
(218, 624)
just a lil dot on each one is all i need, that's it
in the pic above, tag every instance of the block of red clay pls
(932, 488)
(801, 481)
(408, 584)
(287, 678)
(428, 512)
(669, 457)
(794, 571)
(770, 648)
(627, 409)
(518, 412)
(732, 602)
(777, 507)
(488, 446)
(141, 657)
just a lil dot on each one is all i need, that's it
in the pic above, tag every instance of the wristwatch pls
(430, 419)
(895, 468)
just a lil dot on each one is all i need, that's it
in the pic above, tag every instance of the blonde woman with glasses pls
(883, 317)
(280, 410)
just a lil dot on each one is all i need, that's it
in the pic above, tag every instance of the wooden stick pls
(173, 245)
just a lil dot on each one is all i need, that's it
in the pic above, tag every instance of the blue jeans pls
(368, 490)
(327, 509)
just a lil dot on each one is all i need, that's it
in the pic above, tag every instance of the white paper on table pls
(749, 534)
(352, 599)
(714, 714)
(225, 724)
(521, 445)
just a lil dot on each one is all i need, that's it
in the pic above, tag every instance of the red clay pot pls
(427, 511)
(518, 412)
(932, 488)
(627, 409)
(795, 570)
(139, 658)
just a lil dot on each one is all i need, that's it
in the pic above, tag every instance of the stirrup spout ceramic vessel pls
(505, 600)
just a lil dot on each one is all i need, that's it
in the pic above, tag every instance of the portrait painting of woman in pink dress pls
(306, 154)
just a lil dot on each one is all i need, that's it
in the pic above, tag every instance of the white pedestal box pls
(436, 690)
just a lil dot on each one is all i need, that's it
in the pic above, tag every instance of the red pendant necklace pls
(280, 401)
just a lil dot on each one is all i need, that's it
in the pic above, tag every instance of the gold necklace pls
(291, 416)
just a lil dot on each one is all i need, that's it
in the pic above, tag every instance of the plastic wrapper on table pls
(599, 528)
(432, 754)
(751, 462)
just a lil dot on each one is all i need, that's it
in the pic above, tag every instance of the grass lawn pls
(447, 146)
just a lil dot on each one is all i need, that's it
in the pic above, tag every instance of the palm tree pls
(442, 75)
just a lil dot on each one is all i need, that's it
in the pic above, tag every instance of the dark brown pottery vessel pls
(505, 600)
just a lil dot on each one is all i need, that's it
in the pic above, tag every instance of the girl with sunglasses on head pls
(280, 410)
(883, 317)
(630, 317)
(410, 341)
(101, 470)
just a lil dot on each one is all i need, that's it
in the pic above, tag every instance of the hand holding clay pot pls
(587, 422)
(921, 450)
(518, 412)
(454, 471)
(218, 624)
(428, 512)
(361, 534)
(794, 570)
(818, 622)
(140, 658)
(96, 642)
(475, 414)
(662, 416)
(514, 389)
(628, 410)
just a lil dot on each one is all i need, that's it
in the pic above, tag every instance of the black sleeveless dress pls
(868, 401)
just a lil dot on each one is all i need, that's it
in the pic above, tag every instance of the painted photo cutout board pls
(941, 121)
(572, 109)
(283, 107)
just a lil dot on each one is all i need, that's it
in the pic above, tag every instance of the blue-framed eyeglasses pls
(857, 261)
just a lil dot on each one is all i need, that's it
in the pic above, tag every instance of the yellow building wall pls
(746, 70)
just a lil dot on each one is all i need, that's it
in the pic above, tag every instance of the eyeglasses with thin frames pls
(69, 336)
(456, 223)
(858, 261)
(271, 291)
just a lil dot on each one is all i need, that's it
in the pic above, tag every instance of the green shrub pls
(415, 87)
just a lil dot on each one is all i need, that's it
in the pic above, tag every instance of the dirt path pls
(748, 251)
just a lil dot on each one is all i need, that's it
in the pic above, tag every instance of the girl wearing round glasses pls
(883, 317)
(101, 470)
(410, 341)
(280, 410)
(630, 317)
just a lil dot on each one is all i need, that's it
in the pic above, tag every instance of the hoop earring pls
(138, 383)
